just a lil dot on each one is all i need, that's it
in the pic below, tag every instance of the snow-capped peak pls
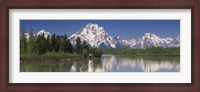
(176, 42)
(91, 33)
(91, 25)
(149, 35)
(43, 32)
(152, 40)
(27, 35)
(96, 35)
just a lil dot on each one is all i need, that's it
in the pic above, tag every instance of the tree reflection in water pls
(111, 63)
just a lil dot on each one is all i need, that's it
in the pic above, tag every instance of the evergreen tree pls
(85, 44)
(42, 49)
(57, 43)
(48, 44)
(78, 45)
(97, 52)
(70, 48)
(31, 44)
(64, 45)
(53, 43)
(85, 50)
(23, 42)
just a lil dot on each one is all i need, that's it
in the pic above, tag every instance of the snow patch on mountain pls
(41, 32)
(97, 36)
(176, 41)
(46, 33)
(152, 40)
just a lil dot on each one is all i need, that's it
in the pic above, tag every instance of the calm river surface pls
(110, 63)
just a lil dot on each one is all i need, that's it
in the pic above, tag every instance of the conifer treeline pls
(61, 44)
(146, 51)
(56, 43)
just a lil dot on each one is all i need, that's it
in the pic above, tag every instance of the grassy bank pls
(158, 51)
(148, 54)
(50, 57)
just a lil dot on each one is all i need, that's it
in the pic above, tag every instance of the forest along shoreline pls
(58, 48)
(153, 51)
(71, 57)
(54, 58)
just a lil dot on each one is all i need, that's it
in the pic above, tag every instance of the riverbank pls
(148, 54)
(67, 57)
(52, 57)
(158, 51)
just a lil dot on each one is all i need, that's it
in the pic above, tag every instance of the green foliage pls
(78, 47)
(32, 45)
(69, 46)
(58, 43)
(85, 49)
(23, 42)
(48, 43)
(53, 43)
(41, 42)
(61, 44)
(145, 51)
(96, 52)
(39, 45)
(66, 45)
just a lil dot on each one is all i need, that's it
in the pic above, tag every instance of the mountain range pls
(96, 36)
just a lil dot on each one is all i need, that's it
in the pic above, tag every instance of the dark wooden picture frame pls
(100, 4)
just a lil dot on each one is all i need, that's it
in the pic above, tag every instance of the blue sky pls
(126, 29)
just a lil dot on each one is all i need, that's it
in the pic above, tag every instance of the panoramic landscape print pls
(99, 45)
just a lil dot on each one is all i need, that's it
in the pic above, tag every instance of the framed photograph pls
(100, 45)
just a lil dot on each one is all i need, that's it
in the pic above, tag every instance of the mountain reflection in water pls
(111, 63)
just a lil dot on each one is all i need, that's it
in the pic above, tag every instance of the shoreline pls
(145, 54)
(54, 58)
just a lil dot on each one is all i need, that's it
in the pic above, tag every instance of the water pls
(110, 63)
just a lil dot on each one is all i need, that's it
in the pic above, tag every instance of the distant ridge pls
(96, 35)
